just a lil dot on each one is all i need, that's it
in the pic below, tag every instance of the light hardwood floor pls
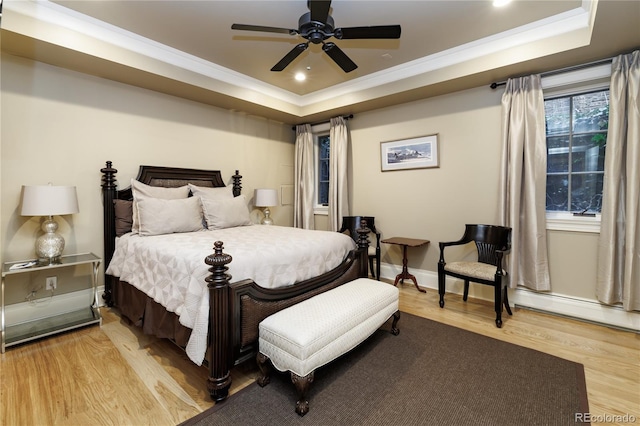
(114, 375)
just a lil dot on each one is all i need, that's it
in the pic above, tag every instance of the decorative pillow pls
(124, 216)
(219, 193)
(140, 189)
(220, 214)
(160, 216)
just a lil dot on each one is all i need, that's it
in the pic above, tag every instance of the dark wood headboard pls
(168, 177)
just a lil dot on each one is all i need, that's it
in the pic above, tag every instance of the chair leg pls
(466, 290)
(371, 267)
(498, 303)
(378, 267)
(506, 301)
(441, 284)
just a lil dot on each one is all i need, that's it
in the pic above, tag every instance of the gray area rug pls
(430, 374)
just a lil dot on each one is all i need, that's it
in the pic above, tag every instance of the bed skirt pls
(149, 315)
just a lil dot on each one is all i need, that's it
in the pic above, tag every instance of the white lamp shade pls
(266, 198)
(49, 200)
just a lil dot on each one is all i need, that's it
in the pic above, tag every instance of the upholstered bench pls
(314, 332)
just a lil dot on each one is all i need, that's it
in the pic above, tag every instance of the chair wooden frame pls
(492, 243)
(352, 223)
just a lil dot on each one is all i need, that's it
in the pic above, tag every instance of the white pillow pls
(140, 189)
(226, 213)
(160, 216)
(219, 193)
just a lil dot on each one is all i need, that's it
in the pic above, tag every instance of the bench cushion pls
(314, 332)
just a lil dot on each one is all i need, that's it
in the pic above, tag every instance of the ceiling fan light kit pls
(316, 26)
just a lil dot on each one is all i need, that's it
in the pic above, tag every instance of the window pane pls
(557, 116)
(323, 193)
(591, 112)
(576, 142)
(557, 192)
(558, 154)
(587, 153)
(586, 192)
(323, 170)
(324, 146)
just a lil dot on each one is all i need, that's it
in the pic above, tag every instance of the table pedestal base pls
(405, 272)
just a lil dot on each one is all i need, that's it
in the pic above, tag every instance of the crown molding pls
(54, 24)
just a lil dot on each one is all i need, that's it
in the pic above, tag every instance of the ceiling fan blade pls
(289, 57)
(319, 10)
(263, 29)
(339, 57)
(380, 31)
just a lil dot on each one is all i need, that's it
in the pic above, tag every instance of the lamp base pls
(49, 246)
(266, 220)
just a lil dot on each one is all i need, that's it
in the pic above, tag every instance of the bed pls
(233, 307)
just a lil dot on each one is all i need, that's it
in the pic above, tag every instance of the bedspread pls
(171, 270)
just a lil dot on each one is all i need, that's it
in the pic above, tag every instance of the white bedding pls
(170, 268)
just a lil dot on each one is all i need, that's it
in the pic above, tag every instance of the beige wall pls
(434, 204)
(61, 126)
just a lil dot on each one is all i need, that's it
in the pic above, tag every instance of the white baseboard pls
(583, 309)
(19, 313)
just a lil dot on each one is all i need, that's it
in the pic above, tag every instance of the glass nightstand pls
(31, 330)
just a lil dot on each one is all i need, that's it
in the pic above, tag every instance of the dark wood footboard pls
(237, 308)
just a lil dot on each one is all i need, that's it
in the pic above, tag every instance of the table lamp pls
(266, 198)
(49, 200)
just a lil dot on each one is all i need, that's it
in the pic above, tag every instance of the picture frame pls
(414, 153)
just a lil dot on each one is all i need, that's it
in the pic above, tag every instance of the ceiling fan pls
(316, 26)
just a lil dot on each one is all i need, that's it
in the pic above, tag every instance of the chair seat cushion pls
(478, 270)
(316, 331)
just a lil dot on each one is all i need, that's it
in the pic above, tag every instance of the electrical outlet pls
(51, 283)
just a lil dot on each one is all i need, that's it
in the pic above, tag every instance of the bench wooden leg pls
(394, 325)
(265, 368)
(302, 385)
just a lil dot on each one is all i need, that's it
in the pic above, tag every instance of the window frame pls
(568, 84)
(318, 131)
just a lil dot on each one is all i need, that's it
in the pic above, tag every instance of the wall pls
(61, 126)
(435, 203)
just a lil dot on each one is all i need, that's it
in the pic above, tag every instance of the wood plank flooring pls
(115, 375)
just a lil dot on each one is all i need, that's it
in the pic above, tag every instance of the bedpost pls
(109, 184)
(220, 356)
(363, 247)
(237, 187)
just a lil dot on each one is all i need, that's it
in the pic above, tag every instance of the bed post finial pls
(237, 187)
(220, 356)
(363, 247)
(109, 185)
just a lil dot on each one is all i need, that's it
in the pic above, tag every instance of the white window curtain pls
(523, 182)
(338, 178)
(618, 277)
(304, 181)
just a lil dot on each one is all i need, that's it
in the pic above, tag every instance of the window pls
(323, 143)
(576, 130)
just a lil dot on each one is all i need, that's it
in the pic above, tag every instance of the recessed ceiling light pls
(500, 3)
(300, 76)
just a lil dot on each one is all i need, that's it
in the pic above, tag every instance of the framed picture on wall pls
(414, 153)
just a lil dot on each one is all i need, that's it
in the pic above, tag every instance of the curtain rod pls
(346, 117)
(562, 70)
